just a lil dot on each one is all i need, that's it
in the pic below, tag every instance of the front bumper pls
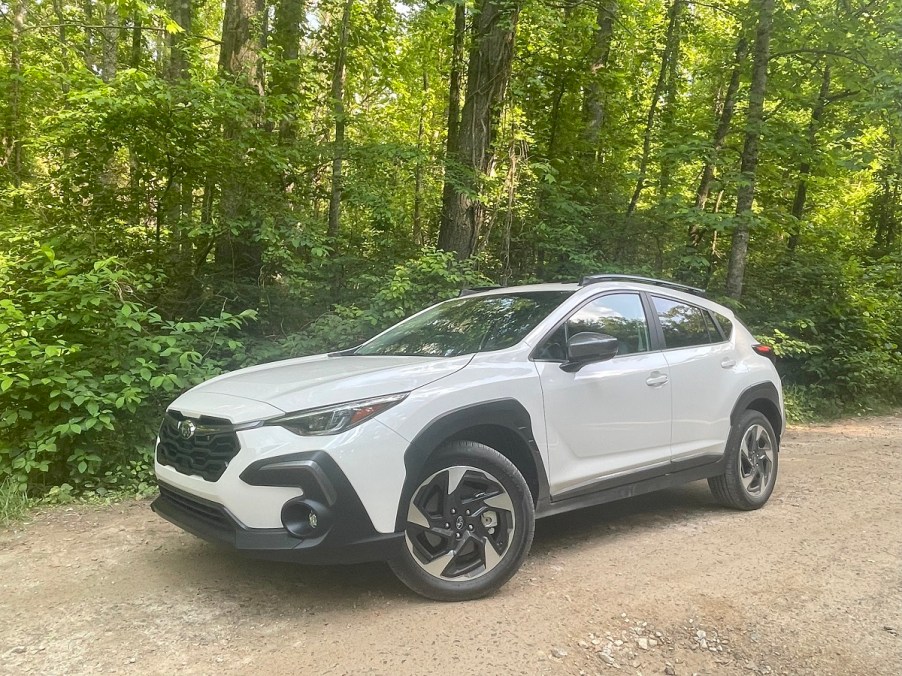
(345, 533)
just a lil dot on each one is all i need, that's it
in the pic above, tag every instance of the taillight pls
(765, 351)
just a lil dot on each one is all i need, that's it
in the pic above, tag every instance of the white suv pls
(436, 445)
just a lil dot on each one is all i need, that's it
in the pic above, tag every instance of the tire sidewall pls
(733, 468)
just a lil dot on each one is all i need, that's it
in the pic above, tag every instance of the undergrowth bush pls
(13, 501)
(86, 368)
(838, 348)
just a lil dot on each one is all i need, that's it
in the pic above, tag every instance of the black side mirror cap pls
(587, 347)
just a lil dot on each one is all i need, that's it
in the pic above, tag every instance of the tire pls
(459, 544)
(752, 459)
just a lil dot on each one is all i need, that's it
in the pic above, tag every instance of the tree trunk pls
(338, 113)
(88, 53)
(798, 203)
(668, 114)
(491, 59)
(237, 249)
(671, 44)
(137, 47)
(419, 169)
(181, 12)
(749, 160)
(110, 36)
(696, 233)
(599, 56)
(13, 154)
(238, 53)
(61, 21)
(886, 211)
(288, 28)
(455, 79)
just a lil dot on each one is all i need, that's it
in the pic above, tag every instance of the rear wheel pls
(751, 464)
(470, 524)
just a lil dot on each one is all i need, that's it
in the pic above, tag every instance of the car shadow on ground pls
(194, 565)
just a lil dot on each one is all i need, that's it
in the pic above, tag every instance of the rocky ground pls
(668, 583)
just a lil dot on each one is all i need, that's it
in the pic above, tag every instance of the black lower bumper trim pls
(347, 540)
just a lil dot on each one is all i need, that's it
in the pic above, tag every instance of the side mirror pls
(585, 348)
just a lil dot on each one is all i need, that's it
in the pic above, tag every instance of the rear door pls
(703, 376)
(612, 417)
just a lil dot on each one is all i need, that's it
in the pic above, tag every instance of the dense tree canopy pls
(311, 170)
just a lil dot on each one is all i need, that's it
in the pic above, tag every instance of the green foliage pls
(147, 216)
(13, 502)
(411, 286)
(86, 367)
(841, 344)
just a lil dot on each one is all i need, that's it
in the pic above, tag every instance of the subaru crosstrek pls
(435, 445)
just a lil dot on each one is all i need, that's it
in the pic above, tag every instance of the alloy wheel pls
(460, 523)
(756, 459)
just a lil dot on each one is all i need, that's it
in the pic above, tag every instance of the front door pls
(612, 417)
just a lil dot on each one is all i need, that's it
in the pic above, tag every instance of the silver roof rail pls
(594, 279)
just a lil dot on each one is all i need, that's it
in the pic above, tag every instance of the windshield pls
(467, 325)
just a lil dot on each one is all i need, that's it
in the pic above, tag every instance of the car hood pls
(310, 382)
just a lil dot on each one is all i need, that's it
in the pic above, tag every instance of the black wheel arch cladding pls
(765, 399)
(501, 422)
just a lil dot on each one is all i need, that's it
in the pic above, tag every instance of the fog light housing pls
(305, 518)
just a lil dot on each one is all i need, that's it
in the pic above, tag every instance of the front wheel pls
(752, 456)
(470, 524)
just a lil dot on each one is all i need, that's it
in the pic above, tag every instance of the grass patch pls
(809, 405)
(14, 502)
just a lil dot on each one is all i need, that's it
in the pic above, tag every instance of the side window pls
(683, 325)
(713, 331)
(555, 346)
(726, 325)
(620, 315)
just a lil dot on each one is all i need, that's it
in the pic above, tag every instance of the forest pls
(191, 186)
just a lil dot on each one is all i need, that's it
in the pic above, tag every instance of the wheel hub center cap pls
(459, 524)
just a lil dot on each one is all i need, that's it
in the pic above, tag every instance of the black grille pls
(207, 453)
(208, 512)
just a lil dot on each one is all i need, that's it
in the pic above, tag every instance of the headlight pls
(337, 418)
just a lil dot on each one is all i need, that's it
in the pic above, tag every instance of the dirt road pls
(666, 583)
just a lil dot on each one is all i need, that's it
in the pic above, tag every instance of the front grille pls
(211, 513)
(207, 453)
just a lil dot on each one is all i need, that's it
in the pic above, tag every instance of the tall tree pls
(110, 36)
(749, 158)
(419, 168)
(801, 194)
(177, 200)
(239, 50)
(237, 248)
(667, 65)
(724, 122)
(288, 29)
(182, 12)
(599, 56)
(491, 57)
(338, 115)
(455, 81)
(13, 153)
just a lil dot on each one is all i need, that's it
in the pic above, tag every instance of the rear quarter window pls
(725, 324)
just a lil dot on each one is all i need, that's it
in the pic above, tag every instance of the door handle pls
(656, 379)
(728, 363)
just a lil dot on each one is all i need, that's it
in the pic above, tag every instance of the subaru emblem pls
(187, 428)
